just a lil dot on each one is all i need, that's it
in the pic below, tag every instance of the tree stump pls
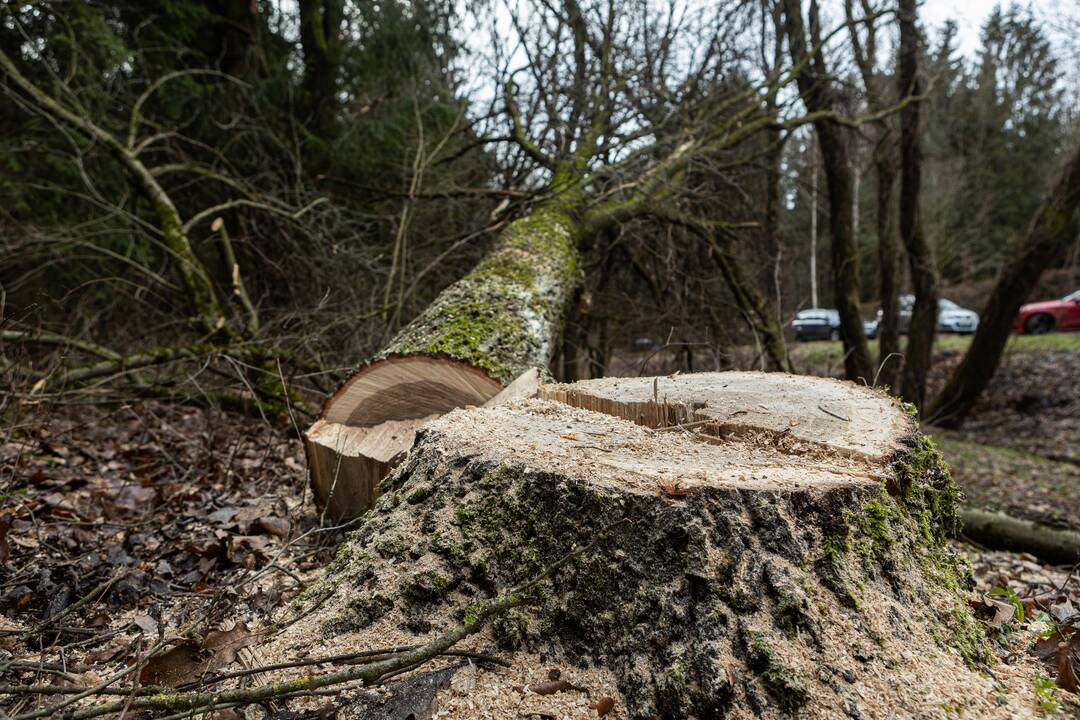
(775, 544)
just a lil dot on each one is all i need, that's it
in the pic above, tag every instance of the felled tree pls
(590, 126)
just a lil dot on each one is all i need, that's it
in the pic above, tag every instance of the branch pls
(520, 136)
(216, 209)
(46, 338)
(133, 122)
(237, 280)
(195, 276)
(476, 615)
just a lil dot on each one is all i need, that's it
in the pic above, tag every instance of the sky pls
(970, 14)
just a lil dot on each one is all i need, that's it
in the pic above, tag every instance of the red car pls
(1044, 317)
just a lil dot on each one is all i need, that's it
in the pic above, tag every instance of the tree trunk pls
(1048, 236)
(890, 361)
(923, 326)
(501, 319)
(819, 96)
(320, 26)
(770, 544)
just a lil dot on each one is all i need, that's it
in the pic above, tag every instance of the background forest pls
(334, 165)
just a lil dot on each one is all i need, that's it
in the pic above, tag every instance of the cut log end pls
(756, 569)
(372, 420)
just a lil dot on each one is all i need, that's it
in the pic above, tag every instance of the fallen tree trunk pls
(1004, 532)
(772, 543)
(483, 331)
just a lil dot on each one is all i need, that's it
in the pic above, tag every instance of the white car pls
(951, 317)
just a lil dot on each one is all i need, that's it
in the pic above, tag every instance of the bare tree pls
(864, 48)
(1049, 235)
(923, 326)
(821, 99)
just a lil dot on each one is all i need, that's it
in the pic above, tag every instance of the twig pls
(835, 415)
(39, 627)
(380, 653)
(369, 673)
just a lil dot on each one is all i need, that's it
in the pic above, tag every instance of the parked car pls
(824, 324)
(951, 317)
(816, 324)
(1043, 317)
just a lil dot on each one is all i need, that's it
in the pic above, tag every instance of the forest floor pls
(154, 542)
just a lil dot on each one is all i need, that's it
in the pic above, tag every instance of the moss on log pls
(756, 573)
(479, 334)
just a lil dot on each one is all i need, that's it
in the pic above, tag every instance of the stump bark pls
(781, 547)
(481, 333)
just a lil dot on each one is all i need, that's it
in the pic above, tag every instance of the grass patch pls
(815, 355)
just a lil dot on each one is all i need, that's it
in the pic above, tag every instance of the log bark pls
(1047, 238)
(776, 544)
(481, 333)
(1005, 532)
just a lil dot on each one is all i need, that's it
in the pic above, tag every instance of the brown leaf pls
(1067, 670)
(179, 664)
(603, 705)
(5, 549)
(224, 644)
(674, 488)
(1003, 611)
(278, 527)
(188, 661)
(107, 653)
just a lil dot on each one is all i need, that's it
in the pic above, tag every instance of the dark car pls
(1043, 317)
(816, 324)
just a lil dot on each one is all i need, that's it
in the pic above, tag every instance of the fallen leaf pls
(179, 664)
(188, 661)
(278, 527)
(146, 623)
(224, 644)
(5, 549)
(603, 706)
(674, 488)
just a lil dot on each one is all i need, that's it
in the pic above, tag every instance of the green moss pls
(366, 609)
(490, 318)
(453, 553)
(511, 629)
(876, 521)
(420, 494)
(834, 546)
(1045, 690)
(786, 686)
(424, 586)
(968, 637)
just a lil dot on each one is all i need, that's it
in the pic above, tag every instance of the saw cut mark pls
(619, 454)
(796, 411)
